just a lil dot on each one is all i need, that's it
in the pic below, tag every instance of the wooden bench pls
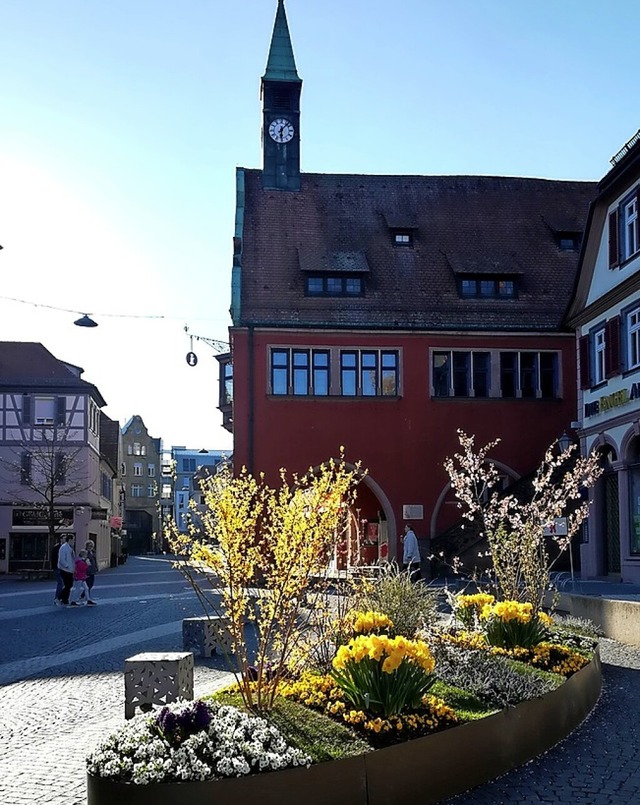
(157, 678)
(207, 634)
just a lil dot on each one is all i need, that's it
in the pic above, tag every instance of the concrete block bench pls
(207, 634)
(157, 678)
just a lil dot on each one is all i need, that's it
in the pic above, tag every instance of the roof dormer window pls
(403, 238)
(568, 241)
(487, 287)
(334, 285)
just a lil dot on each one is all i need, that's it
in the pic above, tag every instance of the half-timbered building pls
(49, 457)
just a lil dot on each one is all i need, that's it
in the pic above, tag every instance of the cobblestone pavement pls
(61, 672)
(598, 764)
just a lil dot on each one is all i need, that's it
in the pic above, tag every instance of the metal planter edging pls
(426, 770)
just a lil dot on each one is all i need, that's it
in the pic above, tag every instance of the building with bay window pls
(606, 315)
(383, 313)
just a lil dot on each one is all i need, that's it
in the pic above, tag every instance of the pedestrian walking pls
(54, 566)
(411, 553)
(81, 588)
(92, 569)
(67, 567)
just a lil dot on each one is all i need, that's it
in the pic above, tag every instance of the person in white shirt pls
(411, 553)
(67, 567)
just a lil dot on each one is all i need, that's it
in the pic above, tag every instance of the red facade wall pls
(402, 441)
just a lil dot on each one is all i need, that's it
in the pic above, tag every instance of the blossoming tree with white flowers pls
(514, 528)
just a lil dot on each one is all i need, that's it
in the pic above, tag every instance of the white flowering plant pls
(514, 528)
(189, 741)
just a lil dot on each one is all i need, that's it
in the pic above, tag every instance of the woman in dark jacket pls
(92, 564)
(58, 575)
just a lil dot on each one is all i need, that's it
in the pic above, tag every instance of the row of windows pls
(137, 491)
(55, 476)
(528, 375)
(136, 449)
(485, 287)
(50, 410)
(612, 347)
(328, 285)
(566, 240)
(302, 372)
(138, 470)
(376, 373)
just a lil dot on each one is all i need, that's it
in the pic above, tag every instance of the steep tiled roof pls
(459, 225)
(29, 365)
(109, 439)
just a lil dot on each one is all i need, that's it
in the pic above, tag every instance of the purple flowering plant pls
(175, 727)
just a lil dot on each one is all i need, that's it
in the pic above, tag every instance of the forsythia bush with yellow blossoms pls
(266, 548)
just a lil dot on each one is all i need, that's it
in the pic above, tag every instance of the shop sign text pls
(610, 401)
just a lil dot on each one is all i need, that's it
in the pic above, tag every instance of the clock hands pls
(281, 130)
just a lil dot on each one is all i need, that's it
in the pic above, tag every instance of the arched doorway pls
(369, 538)
(633, 466)
(446, 512)
(609, 507)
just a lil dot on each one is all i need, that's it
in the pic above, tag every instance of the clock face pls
(281, 130)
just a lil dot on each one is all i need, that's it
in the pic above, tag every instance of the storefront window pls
(634, 494)
(28, 550)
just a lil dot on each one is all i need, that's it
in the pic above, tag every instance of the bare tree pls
(47, 474)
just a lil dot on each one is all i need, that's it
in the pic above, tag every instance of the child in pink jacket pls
(80, 587)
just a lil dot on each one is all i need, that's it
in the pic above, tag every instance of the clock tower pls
(280, 92)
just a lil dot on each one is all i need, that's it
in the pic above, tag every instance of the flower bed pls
(379, 684)
(427, 769)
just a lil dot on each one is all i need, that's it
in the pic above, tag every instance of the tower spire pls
(280, 90)
(281, 64)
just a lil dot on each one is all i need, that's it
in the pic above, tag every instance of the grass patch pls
(466, 706)
(525, 669)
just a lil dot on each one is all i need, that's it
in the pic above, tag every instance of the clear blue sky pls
(122, 122)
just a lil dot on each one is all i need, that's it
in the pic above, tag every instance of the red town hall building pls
(383, 313)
